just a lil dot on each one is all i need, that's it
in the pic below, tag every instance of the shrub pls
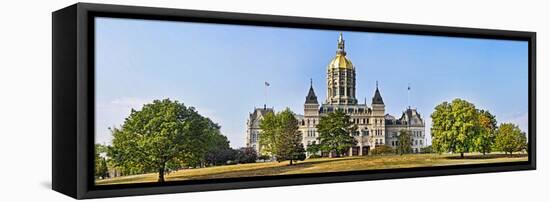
(426, 150)
(382, 149)
(246, 155)
(314, 156)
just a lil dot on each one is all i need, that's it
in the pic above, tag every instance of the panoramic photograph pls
(182, 101)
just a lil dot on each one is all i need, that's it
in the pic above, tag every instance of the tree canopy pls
(335, 131)
(281, 137)
(163, 133)
(509, 138)
(487, 125)
(405, 142)
(454, 127)
(460, 127)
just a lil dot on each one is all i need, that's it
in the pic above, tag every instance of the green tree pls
(270, 126)
(289, 140)
(313, 149)
(509, 138)
(335, 132)
(218, 149)
(298, 153)
(382, 150)
(280, 136)
(485, 138)
(246, 155)
(163, 133)
(404, 145)
(454, 127)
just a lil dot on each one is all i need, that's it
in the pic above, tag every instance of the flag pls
(266, 84)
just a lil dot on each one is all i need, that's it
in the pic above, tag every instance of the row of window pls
(378, 132)
(338, 73)
(254, 137)
(311, 142)
(417, 133)
(340, 91)
(354, 120)
(310, 133)
(308, 121)
(413, 143)
(341, 83)
(414, 134)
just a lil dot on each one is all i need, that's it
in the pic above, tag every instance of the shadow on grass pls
(280, 169)
(488, 156)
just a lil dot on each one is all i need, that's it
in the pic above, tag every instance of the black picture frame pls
(73, 99)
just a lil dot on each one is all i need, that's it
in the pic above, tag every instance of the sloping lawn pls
(321, 165)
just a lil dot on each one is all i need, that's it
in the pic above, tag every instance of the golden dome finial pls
(341, 61)
(341, 45)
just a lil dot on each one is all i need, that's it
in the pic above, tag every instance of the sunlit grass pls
(320, 165)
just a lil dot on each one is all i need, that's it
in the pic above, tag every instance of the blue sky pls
(221, 70)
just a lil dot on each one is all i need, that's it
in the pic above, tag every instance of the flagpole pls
(409, 95)
(266, 84)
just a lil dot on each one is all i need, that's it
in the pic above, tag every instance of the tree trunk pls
(290, 161)
(461, 155)
(161, 174)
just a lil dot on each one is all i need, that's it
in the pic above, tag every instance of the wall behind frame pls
(25, 84)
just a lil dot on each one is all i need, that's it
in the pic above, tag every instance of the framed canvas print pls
(156, 100)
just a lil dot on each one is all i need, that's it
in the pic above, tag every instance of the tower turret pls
(311, 106)
(341, 77)
(378, 106)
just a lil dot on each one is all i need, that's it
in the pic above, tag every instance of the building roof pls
(254, 117)
(377, 99)
(410, 117)
(311, 98)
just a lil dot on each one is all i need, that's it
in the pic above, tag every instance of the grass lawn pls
(321, 165)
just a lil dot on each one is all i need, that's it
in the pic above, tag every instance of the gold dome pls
(340, 61)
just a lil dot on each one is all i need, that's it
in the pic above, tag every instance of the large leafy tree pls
(281, 136)
(405, 142)
(454, 126)
(485, 137)
(509, 138)
(163, 133)
(335, 132)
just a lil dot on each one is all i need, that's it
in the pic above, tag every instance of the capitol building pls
(374, 126)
